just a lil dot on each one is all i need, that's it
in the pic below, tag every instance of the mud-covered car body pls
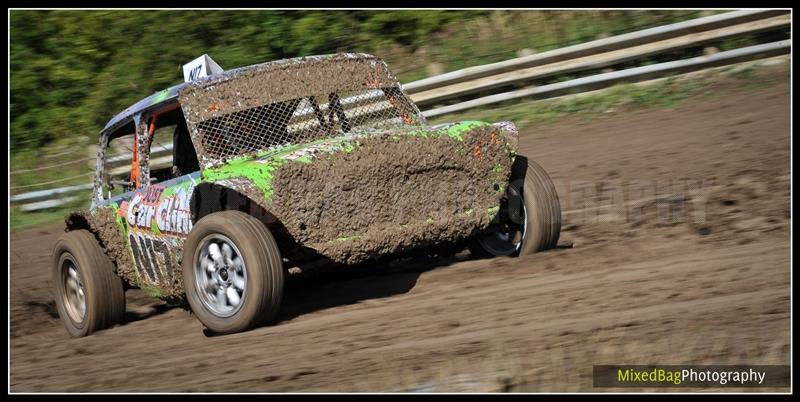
(327, 151)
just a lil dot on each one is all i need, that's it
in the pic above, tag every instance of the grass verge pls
(19, 220)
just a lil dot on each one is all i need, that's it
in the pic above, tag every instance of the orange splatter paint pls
(494, 138)
(476, 150)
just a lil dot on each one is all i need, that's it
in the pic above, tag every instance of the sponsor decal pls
(153, 257)
(172, 214)
(168, 215)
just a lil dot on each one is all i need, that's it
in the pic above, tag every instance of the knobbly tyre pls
(281, 163)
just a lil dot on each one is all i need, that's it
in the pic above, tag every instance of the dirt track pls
(678, 277)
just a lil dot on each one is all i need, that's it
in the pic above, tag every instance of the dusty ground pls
(687, 263)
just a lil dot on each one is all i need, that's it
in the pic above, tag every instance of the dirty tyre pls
(537, 206)
(88, 293)
(232, 272)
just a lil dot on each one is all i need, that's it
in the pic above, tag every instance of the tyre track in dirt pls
(644, 290)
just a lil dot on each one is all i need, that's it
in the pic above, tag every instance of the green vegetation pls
(502, 35)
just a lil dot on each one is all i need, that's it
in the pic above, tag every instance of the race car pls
(276, 164)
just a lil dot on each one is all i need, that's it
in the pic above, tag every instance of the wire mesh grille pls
(293, 101)
(305, 119)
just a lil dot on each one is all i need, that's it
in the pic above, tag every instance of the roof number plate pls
(202, 66)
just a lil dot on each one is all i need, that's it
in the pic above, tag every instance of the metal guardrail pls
(595, 61)
(47, 194)
(594, 47)
(629, 75)
(581, 57)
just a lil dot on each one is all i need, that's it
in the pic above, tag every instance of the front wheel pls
(89, 294)
(529, 219)
(233, 272)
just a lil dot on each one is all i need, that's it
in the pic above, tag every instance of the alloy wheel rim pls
(507, 237)
(74, 291)
(220, 275)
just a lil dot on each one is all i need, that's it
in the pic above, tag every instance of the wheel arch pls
(76, 220)
(210, 197)
(101, 223)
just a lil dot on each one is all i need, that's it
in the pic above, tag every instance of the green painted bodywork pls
(492, 212)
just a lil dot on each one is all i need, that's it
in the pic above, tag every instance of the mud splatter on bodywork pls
(370, 195)
(291, 102)
(392, 195)
(242, 88)
(110, 230)
(143, 234)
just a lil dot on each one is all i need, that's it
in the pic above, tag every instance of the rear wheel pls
(233, 272)
(89, 294)
(529, 219)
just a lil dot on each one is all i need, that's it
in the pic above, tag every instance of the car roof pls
(159, 97)
(171, 94)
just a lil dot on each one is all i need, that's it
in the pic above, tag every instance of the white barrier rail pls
(594, 47)
(629, 75)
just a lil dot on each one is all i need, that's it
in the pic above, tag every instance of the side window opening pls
(117, 170)
(170, 154)
(170, 129)
(184, 157)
